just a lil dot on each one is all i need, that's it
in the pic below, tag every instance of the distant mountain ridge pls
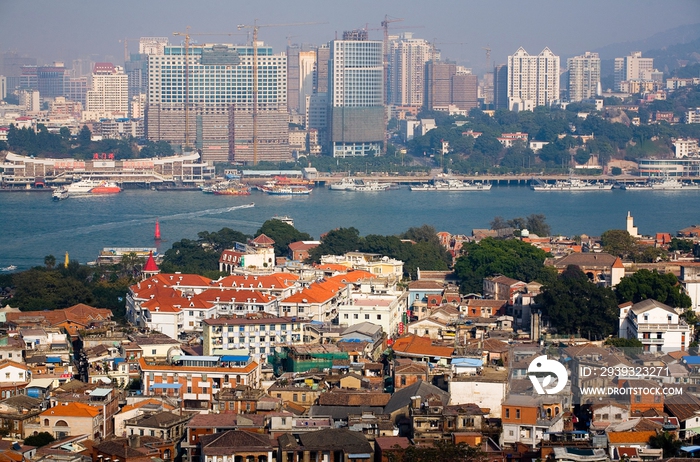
(678, 35)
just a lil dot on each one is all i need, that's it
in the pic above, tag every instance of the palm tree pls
(49, 261)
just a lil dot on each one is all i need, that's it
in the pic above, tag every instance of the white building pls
(693, 116)
(407, 58)
(109, 96)
(654, 324)
(258, 335)
(632, 67)
(356, 95)
(685, 147)
(690, 281)
(584, 76)
(532, 80)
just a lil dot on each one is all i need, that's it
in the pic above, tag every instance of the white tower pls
(631, 229)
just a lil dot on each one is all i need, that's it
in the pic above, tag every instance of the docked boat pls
(59, 194)
(233, 190)
(665, 184)
(351, 184)
(571, 184)
(279, 190)
(452, 185)
(88, 186)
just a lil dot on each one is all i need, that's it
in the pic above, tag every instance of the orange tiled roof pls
(333, 267)
(147, 402)
(190, 280)
(277, 281)
(630, 437)
(417, 345)
(73, 409)
(232, 296)
(352, 276)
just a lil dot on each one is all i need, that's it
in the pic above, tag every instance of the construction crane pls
(187, 36)
(126, 47)
(255, 27)
(385, 26)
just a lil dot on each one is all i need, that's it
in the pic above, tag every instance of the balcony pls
(653, 341)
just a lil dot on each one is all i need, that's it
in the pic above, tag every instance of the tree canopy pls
(645, 284)
(510, 257)
(283, 234)
(574, 305)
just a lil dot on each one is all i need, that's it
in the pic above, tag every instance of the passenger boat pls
(234, 190)
(7, 269)
(665, 184)
(351, 184)
(571, 184)
(59, 194)
(88, 186)
(452, 185)
(279, 190)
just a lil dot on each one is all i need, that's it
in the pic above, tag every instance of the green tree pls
(220, 240)
(336, 242)
(574, 305)
(536, 223)
(617, 242)
(49, 262)
(38, 289)
(510, 257)
(645, 284)
(667, 442)
(39, 440)
(283, 234)
(682, 245)
(85, 136)
(188, 256)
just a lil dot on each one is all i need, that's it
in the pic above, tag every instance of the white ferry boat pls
(452, 185)
(88, 186)
(665, 184)
(571, 184)
(351, 184)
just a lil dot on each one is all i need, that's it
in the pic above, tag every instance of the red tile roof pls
(417, 345)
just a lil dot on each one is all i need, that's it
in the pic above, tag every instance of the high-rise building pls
(52, 80)
(356, 95)
(447, 84)
(3, 87)
(76, 90)
(300, 77)
(407, 58)
(584, 76)
(323, 56)
(532, 80)
(219, 79)
(12, 64)
(500, 86)
(109, 95)
(632, 67)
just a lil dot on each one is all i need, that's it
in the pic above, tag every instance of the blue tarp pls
(467, 362)
(119, 360)
(693, 360)
(169, 386)
(235, 359)
(53, 360)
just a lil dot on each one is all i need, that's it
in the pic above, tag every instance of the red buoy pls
(157, 235)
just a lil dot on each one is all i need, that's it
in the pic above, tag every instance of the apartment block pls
(532, 80)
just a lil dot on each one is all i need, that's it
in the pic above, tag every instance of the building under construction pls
(272, 137)
(189, 100)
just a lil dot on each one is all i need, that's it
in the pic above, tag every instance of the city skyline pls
(62, 31)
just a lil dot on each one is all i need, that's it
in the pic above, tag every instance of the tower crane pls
(255, 27)
(187, 36)
(488, 56)
(126, 47)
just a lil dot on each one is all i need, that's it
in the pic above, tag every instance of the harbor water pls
(33, 226)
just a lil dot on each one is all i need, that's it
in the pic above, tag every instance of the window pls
(367, 316)
(295, 397)
(379, 316)
(355, 316)
(517, 413)
(508, 416)
(153, 351)
(284, 421)
(345, 316)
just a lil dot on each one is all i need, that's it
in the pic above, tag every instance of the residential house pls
(487, 390)
(12, 348)
(165, 425)
(258, 334)
(403, 400)
(407, 372)
(326, 444)
(257, 255)
(195, 380)
(201, 425)
(105, 400)
(418, 293)
(526, 419)
(14, 377)
(502, 288)
(245, 399)
(484, 308)
(420, 348)
(68, 419)
(299, 251)
(237, 445)
(275, 285)
(134, 449)
(690, 282)
(15, 411)
(600, 267)
(146, 405)
(376, 264)
(655, 324)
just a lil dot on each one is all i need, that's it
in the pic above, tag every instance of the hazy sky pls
(54, 30)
